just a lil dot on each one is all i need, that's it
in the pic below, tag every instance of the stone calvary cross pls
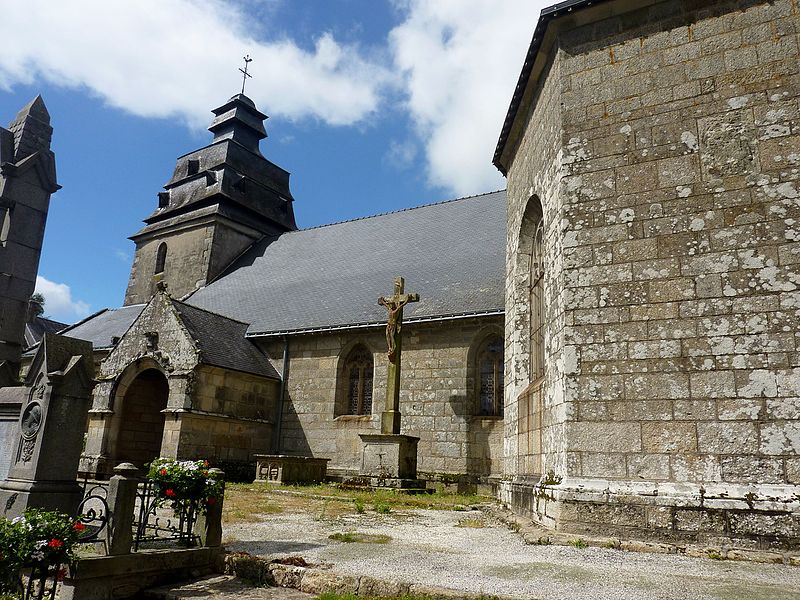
(390, 419)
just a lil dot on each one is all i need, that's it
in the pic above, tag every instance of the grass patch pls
(471, 523)
(350, 537)
(245, 502)
(579, 543)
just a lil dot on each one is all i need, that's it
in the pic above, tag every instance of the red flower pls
(211, 501)
(162, 472)
(55, 543)
(170, 493)
(78, 526)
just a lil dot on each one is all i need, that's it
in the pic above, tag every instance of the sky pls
(374, 105)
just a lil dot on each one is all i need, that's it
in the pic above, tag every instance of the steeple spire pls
(239, 120)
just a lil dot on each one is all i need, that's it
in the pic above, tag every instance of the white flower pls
(39, 555)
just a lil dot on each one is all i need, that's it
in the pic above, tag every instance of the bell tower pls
(220, 200)
(27, 179)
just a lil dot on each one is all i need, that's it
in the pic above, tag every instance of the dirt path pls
(465, 551)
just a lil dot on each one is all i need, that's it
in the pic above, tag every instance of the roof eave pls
(371, 324)
(545, 17)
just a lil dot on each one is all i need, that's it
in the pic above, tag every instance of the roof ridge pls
(211, 312)
(393, 212)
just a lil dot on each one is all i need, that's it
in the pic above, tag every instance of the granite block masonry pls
(657, 144)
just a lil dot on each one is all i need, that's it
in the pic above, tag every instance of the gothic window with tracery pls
(358, 370)
(161, 258)
(490, 377)
(537, 305)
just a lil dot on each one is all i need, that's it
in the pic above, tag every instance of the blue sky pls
(374, 106)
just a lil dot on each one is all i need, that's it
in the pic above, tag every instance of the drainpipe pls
(276, 442)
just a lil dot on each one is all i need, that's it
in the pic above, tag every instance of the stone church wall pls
(535, 410)
(438, 397)
(678, 184)
(231, 419)
(186, 263)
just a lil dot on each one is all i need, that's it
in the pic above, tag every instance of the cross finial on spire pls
(245, 74)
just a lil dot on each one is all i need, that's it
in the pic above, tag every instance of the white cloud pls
(400, 155)
(58, 302)
(158, 58)
(461, 60)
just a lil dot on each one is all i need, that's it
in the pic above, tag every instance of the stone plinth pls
(389, 456)
(280, 468)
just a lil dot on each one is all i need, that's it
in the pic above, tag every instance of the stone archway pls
(141, 421)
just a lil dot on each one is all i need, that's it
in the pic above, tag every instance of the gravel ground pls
(429, 547)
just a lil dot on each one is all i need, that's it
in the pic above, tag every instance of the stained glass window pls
(490, 373)
(537, 302)
(358, 373)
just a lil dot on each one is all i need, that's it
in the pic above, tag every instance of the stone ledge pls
(318, 579)
(534, 534)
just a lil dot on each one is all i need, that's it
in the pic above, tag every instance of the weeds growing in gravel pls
(382, 507)
(359, 505)
(471, 523)
(579, 543)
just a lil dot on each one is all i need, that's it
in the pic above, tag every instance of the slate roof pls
(451, 253)
(100, 327)
(34, 330)
(222, 341)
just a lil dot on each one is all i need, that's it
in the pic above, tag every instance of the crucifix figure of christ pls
(390, 419)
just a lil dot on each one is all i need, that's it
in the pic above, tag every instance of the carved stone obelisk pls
(388, 458)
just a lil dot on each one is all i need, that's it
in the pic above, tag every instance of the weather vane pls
(245, 74)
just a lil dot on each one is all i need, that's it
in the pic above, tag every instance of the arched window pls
(537, 306)
(161, 258)
(489, 368)
(358, 369)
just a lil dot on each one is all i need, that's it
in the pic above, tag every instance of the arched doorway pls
(141, 424)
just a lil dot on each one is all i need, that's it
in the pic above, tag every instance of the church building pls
(613, 343)
(241, 334)
(652, 152)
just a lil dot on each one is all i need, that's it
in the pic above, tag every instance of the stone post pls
(121, 504)
(209, 526)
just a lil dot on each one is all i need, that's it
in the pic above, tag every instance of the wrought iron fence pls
(42, 581)
(93, 511)
(157, 524)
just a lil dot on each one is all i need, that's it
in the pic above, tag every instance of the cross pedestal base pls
(389, 456)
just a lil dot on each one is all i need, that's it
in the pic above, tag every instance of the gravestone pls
(49, 434)
(389, 458)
